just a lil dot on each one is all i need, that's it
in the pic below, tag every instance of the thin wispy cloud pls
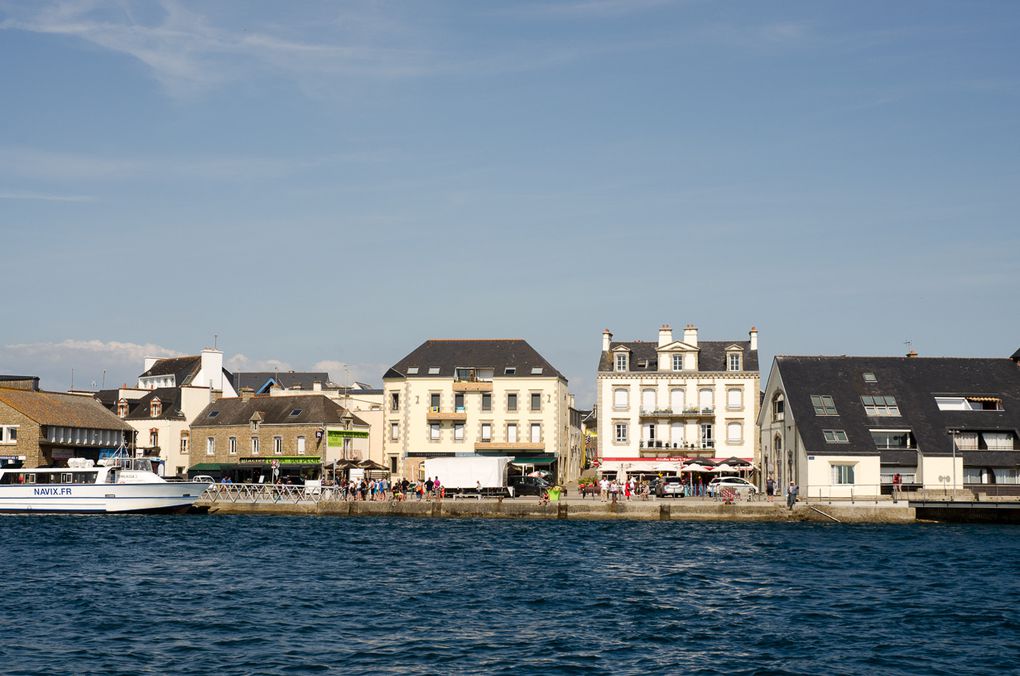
(94, 362)
(44, 197)
(581, 9)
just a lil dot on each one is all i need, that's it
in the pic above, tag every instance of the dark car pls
(528, 485)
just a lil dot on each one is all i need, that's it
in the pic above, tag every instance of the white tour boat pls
(117, 484)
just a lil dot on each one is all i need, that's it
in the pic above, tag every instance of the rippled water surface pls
(219, 594)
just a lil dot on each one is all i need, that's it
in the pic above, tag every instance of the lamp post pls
(952, 438)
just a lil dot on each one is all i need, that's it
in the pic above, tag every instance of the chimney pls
(211, 373)
(691, 335)
(316, 386)
(754, 338)
(246, 393)
(665, 335)
(607, 338)
(148, 363)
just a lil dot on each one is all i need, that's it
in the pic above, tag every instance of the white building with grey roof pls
(477, 397)
(666, 400)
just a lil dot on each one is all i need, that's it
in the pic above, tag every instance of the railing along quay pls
(271, 494)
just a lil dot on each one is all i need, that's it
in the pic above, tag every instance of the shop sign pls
(282, 460)
(336, 437)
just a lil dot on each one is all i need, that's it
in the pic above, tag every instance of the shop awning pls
(534, 461)
(206, 467)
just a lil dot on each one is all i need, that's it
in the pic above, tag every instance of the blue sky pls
(328, 184)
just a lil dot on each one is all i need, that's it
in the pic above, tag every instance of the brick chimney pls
(665, 335)
(691, 335)
(607, 338)
(246, 393)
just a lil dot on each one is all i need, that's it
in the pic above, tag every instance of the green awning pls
(534, 461)
(206, 467)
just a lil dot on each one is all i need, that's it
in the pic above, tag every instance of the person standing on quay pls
(791, 495)
(604, 488)
(770, 489)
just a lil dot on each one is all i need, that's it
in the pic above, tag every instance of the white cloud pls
(121, 362)
(242, 362)
(345, 373)
(44, 197)
(584, 8)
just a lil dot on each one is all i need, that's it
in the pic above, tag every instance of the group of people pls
(629, 488)
(772, 489)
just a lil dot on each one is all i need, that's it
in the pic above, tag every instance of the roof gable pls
(440, 357)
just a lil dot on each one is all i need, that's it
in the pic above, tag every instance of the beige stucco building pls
(660, 401)
(477, 397)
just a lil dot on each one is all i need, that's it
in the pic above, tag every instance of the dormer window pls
(734, 361)
(122, 408)
(155, 408)
(622, 360)
(678, 362)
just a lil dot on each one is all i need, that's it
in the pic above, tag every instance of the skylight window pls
(433, 370)
(879, 405)
(510, 371)
(213, 414)
(870, 378)
(412, 370)
(835, 436)
(295, 412)
(823, 404)
(537, 371)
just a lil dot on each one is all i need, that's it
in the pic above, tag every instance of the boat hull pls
(100, 498)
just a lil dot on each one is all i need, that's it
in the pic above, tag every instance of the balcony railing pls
(494, 445)
(434, 413)
(689, 412)
(674, 446)
(472, 385)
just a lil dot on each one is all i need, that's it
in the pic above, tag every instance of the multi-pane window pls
(678, 362)
(255, 445)
(735, 398)
(707, 438)
(870, 377)
(893, 439)
(878, 405)
(734, 432)
(621, 432)
(434, 431)
(621, 361)
(536, 433)
(536, 401)
(154, 438)
(486, 401)
(232, 445)
(621, 397)
(394, 431)
(733, 361)
(486, 431)
(835, 436)
(185, 437)
(842, 475)
(278, 445)
(823, 404)
(394, 401)
(156, 408)
(778, 407)
(458, 432)
(511, 402)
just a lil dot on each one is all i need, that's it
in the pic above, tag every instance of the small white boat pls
(117, 484)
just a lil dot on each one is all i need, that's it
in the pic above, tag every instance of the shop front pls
(293, 469)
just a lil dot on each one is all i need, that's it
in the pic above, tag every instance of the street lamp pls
(952, 437)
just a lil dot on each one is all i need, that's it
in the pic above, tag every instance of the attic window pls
(412, 370)
(870, 378)
(213, 414)
(296, 411)
(537, 371)
(835, 436)
(510, 371)
(433, 370)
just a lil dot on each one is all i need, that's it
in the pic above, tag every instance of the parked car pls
(731, 482)
(203, 478)
(528, 485)
(672, 487)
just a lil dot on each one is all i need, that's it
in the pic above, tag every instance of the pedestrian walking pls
(791, 495)
(770, 489)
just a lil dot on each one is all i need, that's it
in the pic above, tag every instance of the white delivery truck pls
(463, 475)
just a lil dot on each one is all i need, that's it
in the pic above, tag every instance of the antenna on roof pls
(909, 344)
(215, 340)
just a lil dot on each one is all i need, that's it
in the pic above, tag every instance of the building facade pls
(45, 429)
(845, 427)
(661, 401)
(249, 436)
(477, 397)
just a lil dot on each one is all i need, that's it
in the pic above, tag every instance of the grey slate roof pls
(914, 382)
(257, 380)
(182, 368)
(711, 355)
(57, 408)
(314, 409)
(497, 354)
(169, 397)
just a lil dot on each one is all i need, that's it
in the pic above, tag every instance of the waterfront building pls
(167, 397)
(44, 429)
(477, 397)
(247, 437)
(847, 426)
(662, 401)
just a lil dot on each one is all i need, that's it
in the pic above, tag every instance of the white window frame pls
(678, 362)
(617, 391)
(621, 361)
(255, 445)
(210, 446)
(486, 433)
(5, 435)
(536, 433)
(458, 431)
(738, 357)
(511, 433)
(394, 431)
(739, 405)
(301, 448)
(646, 404)
(278, 445)
(232, 446)
(843, 474)
(739, 439)
(835, 437)
(620, 432)
(711, 399)
(434, 432)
